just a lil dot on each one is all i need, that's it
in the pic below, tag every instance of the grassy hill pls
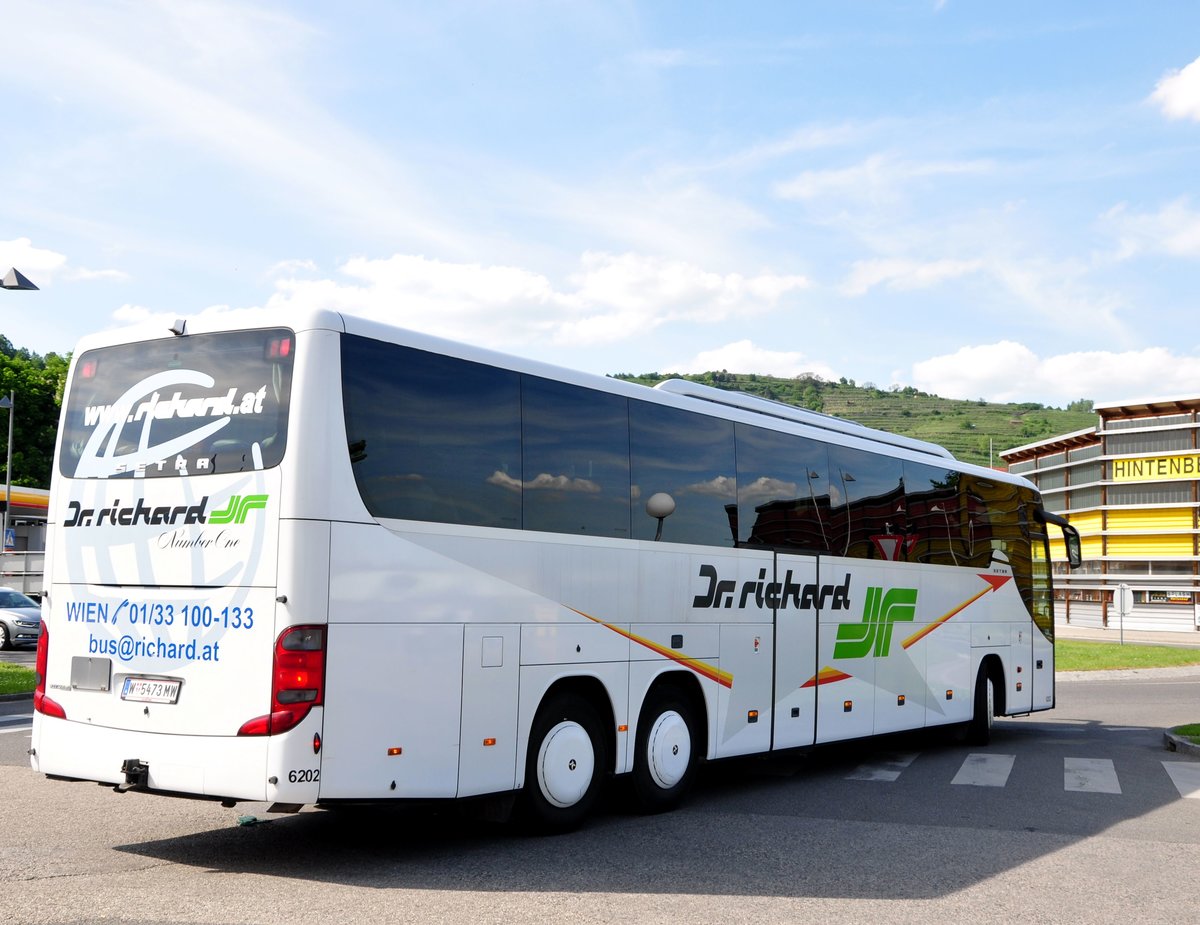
(969, 429)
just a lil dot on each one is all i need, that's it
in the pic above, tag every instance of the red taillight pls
(278, 348)
(297, 681)
(41, 702)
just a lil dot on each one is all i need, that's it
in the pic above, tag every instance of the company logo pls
(166, 515)
(881, 610)
(776, 595)
(100, 457)
(239, 507)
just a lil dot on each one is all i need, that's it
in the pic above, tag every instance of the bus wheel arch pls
(569, 755)
(671, 738)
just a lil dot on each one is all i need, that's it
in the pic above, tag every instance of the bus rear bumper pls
(216, 767)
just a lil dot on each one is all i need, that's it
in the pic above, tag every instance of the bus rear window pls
(202, 404)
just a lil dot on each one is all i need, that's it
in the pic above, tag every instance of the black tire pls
(979, 730)
(664, 762)
(5, 641)
(565, 764)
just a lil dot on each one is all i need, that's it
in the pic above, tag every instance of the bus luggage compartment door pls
(393, 700)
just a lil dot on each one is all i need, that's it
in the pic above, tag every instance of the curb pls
(1175, 743)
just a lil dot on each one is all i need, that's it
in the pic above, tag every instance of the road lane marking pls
(886, 767)
(980, 770)
(1186, 777)
(1090, 775)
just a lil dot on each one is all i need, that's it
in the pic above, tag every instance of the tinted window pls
(576, 459)
(1002, 522)
(432, 437)
(15, 599)
(938, 517)
(867, 496)
(690, 457)
(182, 406)
(783, 490)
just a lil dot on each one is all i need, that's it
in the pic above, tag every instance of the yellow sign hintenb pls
(1156, 468)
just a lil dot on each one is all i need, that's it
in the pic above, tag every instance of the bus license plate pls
(150, 690)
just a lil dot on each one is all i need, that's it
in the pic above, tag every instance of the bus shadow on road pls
(805, 825)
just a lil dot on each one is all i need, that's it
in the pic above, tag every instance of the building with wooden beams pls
(1131, 486)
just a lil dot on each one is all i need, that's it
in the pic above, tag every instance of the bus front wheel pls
(979, 731)
(565, 764)
(665, 760)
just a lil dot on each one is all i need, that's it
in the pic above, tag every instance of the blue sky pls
(979, 200)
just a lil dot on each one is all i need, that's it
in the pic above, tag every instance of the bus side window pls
(690, 457)
(434, 438)
(867, 495)
(783, 490)
(575, 459)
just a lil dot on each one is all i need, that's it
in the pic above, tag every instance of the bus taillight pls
(278, 348)
(41, 702)
(297, 681)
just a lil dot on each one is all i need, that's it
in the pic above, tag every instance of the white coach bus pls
(307, 560)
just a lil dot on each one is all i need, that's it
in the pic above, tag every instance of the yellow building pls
(1131, 486)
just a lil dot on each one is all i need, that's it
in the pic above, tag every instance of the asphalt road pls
(1074, 815)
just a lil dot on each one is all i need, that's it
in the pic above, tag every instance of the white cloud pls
(1009, 371)
(1174, 229)
(42, 266)
(227, 79)
(291, 266)
(136, 314)
(610, 298)
(879, 177)
(897, 273)
(85, 275)
(1178, 93)
(37, 263)
(744, 357)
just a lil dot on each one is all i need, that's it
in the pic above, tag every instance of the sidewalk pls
(1113, 634)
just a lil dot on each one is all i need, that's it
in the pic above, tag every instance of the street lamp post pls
(7, 402)
(13, 279)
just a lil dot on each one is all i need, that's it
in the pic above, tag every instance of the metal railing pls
(23, 571)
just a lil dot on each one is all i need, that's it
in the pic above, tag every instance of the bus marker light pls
(624, 727)
(752, 716)
(1018, 685)
(949, 695)
(394, 751)
(847, 706)
(489, 742)
(316, 743)
(1020, 668)
(899, 700)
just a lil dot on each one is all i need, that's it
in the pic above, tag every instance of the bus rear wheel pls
(665, 758)
(565, 764)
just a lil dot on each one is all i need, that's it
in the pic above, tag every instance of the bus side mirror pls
(1074, 546)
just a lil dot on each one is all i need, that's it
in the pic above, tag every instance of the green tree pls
(37, 384)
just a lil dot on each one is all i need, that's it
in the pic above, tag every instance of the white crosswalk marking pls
(1186, 778)
(1090, 775)
(985, 770)
(885, 767)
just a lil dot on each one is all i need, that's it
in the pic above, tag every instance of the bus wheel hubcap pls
(669, 749)
(566, 764)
